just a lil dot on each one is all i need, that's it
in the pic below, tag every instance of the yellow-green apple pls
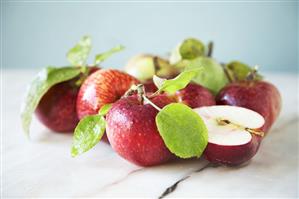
(145, 66)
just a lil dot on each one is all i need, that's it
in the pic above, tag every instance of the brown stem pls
(210, 49)
(226, 73)
(156, 63)
(252, 75)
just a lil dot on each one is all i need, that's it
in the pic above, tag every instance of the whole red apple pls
(257, 95)
(57, 108)
(132, 131)
(193, 95)
(100, 88)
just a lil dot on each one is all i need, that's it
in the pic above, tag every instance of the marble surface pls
(43, 167)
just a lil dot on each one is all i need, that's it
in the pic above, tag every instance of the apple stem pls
(230, 79)
(151, 103)
(85, 72)
(252, 75)
(141, 95)
(210, 49)
(156, 63)
(255, 132)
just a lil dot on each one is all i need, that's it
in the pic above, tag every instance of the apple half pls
(234, 135)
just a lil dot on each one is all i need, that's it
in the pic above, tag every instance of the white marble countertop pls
(43, 167)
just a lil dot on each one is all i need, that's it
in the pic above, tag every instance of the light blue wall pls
(39, 34)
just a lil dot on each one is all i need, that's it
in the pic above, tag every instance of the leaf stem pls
(151, 103)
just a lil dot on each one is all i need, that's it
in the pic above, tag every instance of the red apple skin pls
(232, 155)
(259, 96)
(150, 87)
(100, 88)
(194, 96)
(57, 108)
(133, 134)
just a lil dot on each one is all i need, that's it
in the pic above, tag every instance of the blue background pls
(39, 34)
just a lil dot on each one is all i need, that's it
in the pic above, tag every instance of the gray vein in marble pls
(121, 179)
(173, 187)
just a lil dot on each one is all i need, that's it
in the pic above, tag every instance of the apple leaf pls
(104, 109)
(78, 55)
(88, 133)
(179, 82)
(238, 71)
(158, 81)
(192, 48)
(182, 130)
(44, 80)
(213, 76)
(103, 56)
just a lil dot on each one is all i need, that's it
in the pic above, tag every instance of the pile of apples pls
(223, 110)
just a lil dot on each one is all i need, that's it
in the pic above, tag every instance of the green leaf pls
(238, 71)
(182, 130)
(88, 133)
(192, 48)
(44, 80)
(179, 82)
(78, 55)
(103, 56)
(104, 109)
(213, 76)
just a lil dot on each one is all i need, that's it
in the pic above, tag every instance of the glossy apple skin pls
(259, 96)
(150, 87)
(100, 88)
(194, 96)
(133, 134)
(232, 155)
(57, 108)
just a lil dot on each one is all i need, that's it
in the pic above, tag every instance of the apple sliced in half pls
(234, 135)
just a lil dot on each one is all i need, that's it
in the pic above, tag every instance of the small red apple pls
(260, 96)
(102, 87)
(57, 108)
(132, 131)
(234, 133)
(193, 95)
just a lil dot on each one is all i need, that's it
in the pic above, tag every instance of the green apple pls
(188, 49)
(213, 76)
(145, 66)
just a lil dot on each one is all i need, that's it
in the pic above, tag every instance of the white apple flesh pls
(234, 135)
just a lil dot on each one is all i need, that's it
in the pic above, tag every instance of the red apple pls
(259, 96)
(100, 88)
(234, 133)
(132, 131)
(150, 87)
(57, 108)
(193, 95)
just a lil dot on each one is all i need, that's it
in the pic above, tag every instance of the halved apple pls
(234, 135)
